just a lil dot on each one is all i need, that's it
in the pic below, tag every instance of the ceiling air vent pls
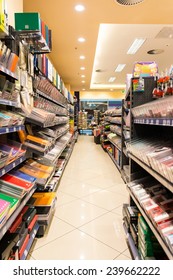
(128, 2)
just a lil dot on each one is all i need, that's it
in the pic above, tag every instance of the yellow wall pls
(13, 6)
(102, 95)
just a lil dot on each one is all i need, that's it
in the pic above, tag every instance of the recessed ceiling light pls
(136, 45)
(81, 40)
(111, 89)
(120, 67)
(82, 68)
(83, 82)
(82, 76)
(82, 57)
(111, 79)
(128, 2)
(155, 51)
(83, 89)
(79, 8)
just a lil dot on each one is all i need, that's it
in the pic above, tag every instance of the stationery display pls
(157, 203)
(155, 153)
(161, 108)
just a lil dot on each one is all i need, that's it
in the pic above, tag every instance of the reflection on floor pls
(87, 224)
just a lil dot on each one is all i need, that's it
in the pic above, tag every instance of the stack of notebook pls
(12, 200)
(41, 172)
(37, 143)
(12, 151)
(16, 183)
(44, 205)
(4, 209)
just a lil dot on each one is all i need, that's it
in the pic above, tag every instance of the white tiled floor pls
(87, 223)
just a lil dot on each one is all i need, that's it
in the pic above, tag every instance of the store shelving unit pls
(142, 127)
(111, 138)
(14, 215)
(153, 228)
(125, 131)
(8, 72)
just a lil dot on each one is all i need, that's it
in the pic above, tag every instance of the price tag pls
(4, 230)
(157, 122)
(7, 130)
(3, 172)
(15, 129)
(151, 121)
(168, 122)
(14, 164)
(164, 122)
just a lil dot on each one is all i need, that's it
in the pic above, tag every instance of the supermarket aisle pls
(87, 223)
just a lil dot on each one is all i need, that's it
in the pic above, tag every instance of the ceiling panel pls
(67, 25)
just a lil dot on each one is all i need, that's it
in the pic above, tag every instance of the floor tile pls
(64, 198)
(109, 230)
(105, 199)
(78, 212)
(75, 246)
(80, 189)
(122, 257)
(57, 228)
(102, 181)
(118, 210)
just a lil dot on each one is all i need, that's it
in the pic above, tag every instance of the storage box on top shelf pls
(27, 21)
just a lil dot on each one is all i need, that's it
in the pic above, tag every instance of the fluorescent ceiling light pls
(135, 46)
(111, 79)
(79, 8)
(81, 39)
(107, 86)
(120, 67)
(82, 57)
(82, 68)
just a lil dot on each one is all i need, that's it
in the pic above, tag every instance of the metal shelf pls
(44, 125)
(35, 39)
(156, 175)
(114, 144)
(154, 230)
(126, 128)
(10, 129)
(8, 72)
(154, 121)
(114, 161)
(31, 239)
(133, 249)
(10, 103)
(10, 166)
(11, 219)
(51, 99)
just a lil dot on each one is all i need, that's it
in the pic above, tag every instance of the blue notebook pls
(22, 176)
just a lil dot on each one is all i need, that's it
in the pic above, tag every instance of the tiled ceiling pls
(122, 25)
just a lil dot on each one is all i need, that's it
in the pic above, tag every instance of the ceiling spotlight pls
(128, 2)
(82, 68)
(155, 51)
(82, 57)
(83, 82)
(81, 40)
(82, 76)
(79, 8)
